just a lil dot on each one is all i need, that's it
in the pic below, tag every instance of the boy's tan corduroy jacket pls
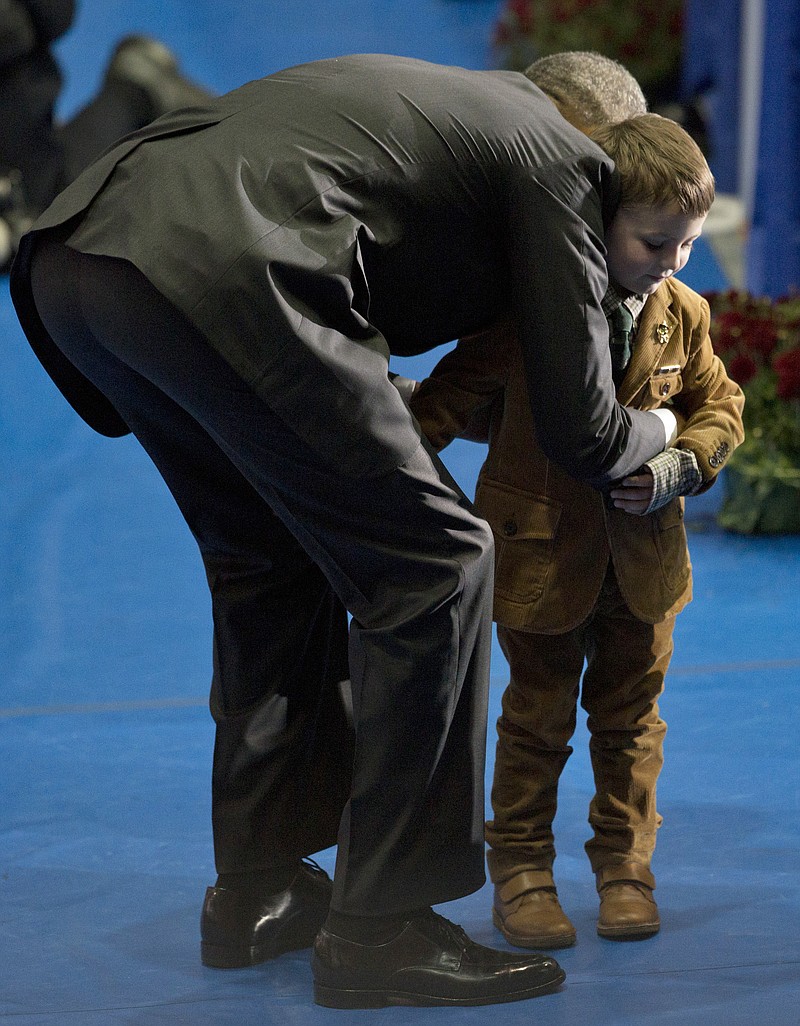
(553, 534)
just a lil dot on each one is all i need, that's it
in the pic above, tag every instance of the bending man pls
(228, 284)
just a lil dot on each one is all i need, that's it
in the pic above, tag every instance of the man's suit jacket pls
(311, 222)
(553, 534)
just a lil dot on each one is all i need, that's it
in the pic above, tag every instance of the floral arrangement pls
(644, 35)
(758, 340)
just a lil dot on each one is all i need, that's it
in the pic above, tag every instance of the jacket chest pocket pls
(524, 528)
(664, 386)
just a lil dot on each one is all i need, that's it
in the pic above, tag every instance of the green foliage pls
(644, 35)
(758, 340)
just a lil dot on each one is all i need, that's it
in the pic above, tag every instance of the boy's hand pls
(634, 494)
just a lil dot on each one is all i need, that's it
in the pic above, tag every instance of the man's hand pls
(634, 494)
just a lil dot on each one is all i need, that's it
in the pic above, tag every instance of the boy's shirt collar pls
(615, 297)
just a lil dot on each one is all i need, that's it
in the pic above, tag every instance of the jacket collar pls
(657, 325)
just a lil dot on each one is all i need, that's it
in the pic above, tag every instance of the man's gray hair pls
(588, 88)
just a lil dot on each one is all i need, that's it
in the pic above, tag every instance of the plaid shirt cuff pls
(675, 472)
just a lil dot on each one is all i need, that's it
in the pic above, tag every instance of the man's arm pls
(559, 274)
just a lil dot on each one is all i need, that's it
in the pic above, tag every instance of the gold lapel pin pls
(663, 332)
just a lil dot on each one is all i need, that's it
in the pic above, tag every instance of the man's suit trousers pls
(290, 547)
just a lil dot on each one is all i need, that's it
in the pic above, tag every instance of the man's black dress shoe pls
(239, 929)
(430, 962)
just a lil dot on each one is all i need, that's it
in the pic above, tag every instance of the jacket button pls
(510, 528)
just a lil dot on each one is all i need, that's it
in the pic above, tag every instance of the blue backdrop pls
(773, 251)
(748, 51)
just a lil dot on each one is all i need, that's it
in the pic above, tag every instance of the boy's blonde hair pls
(659, 164)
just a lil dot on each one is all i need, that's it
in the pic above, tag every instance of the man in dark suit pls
(229, 284)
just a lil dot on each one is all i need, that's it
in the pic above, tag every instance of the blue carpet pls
(105, 739)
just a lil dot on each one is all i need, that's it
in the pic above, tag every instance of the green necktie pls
(621, 321)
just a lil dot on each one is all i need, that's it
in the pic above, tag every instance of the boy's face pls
(648, 244)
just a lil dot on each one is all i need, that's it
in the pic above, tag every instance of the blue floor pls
(105, 739)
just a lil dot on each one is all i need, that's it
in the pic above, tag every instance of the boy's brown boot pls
(627, 908)
(528, 914)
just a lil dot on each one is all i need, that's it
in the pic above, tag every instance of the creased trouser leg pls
(404, 553)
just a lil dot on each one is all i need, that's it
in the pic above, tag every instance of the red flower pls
(760, 335)
(742, 368)
(676, 24)
(758, 341)
(787, 368)
(728, 329)
(521, 12)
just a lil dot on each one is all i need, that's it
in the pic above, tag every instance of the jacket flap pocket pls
(515, 514)
(663, 386)
(670, 515)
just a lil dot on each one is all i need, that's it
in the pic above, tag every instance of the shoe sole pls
(330, 997)
(296, 936)
(537, 942)
(624, 933)
(215, 957)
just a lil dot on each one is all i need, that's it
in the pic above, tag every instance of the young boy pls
(584, 577)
